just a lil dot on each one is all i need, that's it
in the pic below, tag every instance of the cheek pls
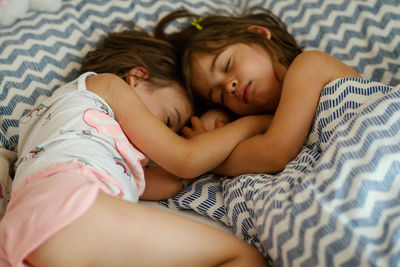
(186, 114)
(252, 61)
(201, 91)
(201, 82)
(157, 112)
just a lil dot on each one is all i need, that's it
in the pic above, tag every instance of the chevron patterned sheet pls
(44, 50)
(337, 203)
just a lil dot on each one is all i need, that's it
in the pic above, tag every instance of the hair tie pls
(196, 23)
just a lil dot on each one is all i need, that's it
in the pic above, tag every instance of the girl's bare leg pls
(114, 232)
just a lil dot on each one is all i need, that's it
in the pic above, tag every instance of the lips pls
(244, 93)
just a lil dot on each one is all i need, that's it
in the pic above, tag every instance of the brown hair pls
(218, 32)
(120, 52)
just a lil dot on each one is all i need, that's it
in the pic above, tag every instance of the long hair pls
(121, 51)
(215, 32)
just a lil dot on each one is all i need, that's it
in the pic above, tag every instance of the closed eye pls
(227, 65)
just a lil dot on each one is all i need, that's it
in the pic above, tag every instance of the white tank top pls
(77, 124)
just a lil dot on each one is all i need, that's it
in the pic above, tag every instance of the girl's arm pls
(271, 151)
(180, 156)
(160, 184)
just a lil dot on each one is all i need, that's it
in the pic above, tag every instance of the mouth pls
(244, 93)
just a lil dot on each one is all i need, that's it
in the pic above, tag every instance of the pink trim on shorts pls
(41, 207)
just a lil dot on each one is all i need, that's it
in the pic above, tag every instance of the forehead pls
(201, 61)
(201, 71)
(172, 94)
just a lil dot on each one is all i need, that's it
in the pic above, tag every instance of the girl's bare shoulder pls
(112, 89)
(314, 63)
(101, 82)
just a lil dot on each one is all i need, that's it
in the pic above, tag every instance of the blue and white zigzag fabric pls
(292, 218)
(365, 34)
(338, 202)
(44, 50)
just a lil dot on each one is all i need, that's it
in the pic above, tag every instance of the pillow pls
(363, 34)
(44, 50)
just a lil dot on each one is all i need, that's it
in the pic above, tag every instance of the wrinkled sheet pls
(337, 203)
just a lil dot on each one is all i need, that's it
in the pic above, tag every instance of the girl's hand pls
(207, 122)
(216, 118)
(210, 120)
(219, 122)
(196, 129)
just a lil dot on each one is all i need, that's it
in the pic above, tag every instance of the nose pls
(231, 86)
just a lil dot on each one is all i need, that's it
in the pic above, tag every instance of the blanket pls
(44, 50)
(337, 203)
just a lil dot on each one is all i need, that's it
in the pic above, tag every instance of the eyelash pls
(227, 65)
(168, 122)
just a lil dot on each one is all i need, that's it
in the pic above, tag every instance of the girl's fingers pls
(187, 132)
(196, 129)
(219, 123)
(196, 124)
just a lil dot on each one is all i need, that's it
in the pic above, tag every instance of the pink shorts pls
(49, 200)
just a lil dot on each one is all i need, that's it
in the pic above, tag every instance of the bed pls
(336, 204)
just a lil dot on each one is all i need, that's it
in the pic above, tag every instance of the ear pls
(136, 75)
(260, 30)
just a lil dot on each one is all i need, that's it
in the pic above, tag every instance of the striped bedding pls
(337, 203)
(329, 207)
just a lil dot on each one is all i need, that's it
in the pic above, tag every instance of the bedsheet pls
(43, 51)
(337, 203)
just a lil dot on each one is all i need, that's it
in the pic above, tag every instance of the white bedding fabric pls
(189, 214)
